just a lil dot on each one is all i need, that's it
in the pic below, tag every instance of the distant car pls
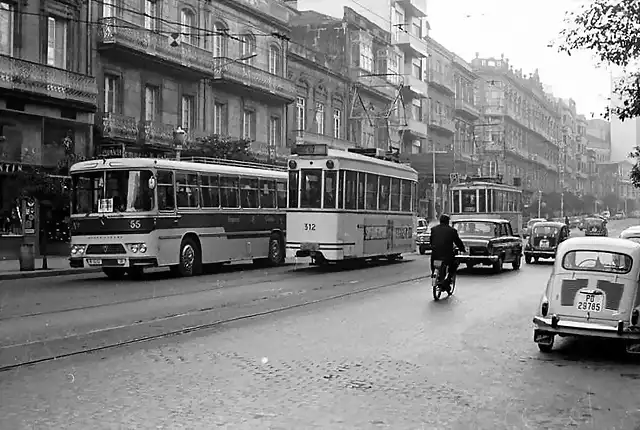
(631, 233)
(423, 236)
(592, 292)
(595, 226)
(544, 240)
(489, 242)
(527, 230)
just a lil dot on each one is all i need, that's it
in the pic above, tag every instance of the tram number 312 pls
(309, 227)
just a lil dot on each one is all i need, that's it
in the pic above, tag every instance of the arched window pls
(188, 25)
(221, 40)
(247, 47)
(275, 65)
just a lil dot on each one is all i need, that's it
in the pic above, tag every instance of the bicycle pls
(440, 271)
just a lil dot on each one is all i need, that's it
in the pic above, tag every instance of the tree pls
(608, 29)
(223, 147)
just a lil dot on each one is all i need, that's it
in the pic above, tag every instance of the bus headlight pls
(137, 247)
(78, 250)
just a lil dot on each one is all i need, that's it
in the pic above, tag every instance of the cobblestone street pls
(390, 358)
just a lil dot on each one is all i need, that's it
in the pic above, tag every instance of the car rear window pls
(545, 230)
(597, 261)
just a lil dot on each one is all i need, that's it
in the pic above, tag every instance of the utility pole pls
(539, 202)
(433, 174)
(563, 162)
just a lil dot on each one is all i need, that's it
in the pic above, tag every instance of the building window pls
(319, 118)
(274, 60)
(151, 102)
(6, 29)
(416, 109)
(337, 123)
(111, 95)
(274, 132)
(393, 68)
(398, 24)
(108, 8)
(366, 56)
(249, 124)
(247, 47)
(187, 23)
(188, 112)
(206, 22)
(220, 118)
(301, 103)
(150, 15)
(57, 42)
(367, 135)
(416, 68)
(220, 41)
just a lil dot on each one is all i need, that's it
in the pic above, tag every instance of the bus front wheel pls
(190, 260)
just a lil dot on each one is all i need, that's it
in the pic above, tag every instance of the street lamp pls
(179, 137)
(433, 173)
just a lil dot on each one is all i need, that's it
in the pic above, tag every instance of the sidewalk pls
(10, 269)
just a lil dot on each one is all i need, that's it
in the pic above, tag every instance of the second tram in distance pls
(349, 205)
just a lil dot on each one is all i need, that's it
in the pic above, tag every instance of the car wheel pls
(497, 266)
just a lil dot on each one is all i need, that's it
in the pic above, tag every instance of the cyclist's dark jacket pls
(443, 237)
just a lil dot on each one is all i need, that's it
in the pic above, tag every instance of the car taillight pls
(544, 308)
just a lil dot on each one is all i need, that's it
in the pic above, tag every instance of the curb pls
(39, 273)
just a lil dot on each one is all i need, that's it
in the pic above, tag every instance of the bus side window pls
(490, 201)
(281, 191)
(267, 193)
(229, 192)
(249, 193)
(210, 191)
(166, 191)
(395, 194)
(187, 190)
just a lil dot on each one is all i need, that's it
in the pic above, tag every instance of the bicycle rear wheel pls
(435, 282)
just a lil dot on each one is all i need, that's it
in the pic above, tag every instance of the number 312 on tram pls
(349, 204)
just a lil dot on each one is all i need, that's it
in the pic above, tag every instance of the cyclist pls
(443, 239)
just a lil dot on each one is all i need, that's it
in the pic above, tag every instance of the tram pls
(487, 198)
(354, 204)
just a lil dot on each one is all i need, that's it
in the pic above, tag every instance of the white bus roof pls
(354, 158)
(161, 163)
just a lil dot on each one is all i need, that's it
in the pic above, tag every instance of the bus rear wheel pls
(276, 250)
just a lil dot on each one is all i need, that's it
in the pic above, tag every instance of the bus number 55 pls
(309, 227)
(134, 224)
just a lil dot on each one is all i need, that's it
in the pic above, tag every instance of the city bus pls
(351, 204)
(487, 198)
(132, 213)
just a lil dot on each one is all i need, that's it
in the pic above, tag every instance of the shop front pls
(34, 201)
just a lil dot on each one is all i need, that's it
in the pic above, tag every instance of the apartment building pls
(519, 136)
(201, 67)
(47, 102)
(599, 139)
(465, 116)
(362, 51)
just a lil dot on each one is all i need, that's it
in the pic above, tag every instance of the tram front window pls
(468, 200)
(311, 188)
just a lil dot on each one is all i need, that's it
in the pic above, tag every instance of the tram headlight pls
(330, 164)
(137, 247)
(292, 164)
(78, 250)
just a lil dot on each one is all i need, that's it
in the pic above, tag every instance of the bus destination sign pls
(318, 149)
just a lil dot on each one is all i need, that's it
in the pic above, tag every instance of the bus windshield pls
(122, 190)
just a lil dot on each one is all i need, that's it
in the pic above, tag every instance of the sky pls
(522, 31)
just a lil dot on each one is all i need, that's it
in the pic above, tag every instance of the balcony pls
(157, 134)
(113, 126)
(467, 109)
(376, 84)
(415, 86)
(411, 44)
(415, 129)
(115, 33)
(48, 82)
(415, 8)
(442, 81)
(228, 70)
(442, 123)
(494, 110)
(266, 152)
(308, 137)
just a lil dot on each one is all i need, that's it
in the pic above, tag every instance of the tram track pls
(99, 340)
(280, 276)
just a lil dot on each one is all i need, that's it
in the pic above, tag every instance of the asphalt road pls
(389, 357)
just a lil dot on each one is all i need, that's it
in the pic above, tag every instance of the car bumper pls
(479, 259)
(114, 262)
(539, 253)
(584, 329)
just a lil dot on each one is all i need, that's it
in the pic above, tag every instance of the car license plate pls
(590, 302)
(544, 243)
(94, 262)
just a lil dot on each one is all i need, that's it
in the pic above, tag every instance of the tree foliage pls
(222, 147)
(610, 29)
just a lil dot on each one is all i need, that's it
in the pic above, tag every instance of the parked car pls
(631, 233)
(619, 215)
(595, 226)
(489, 242)
(527, 230)
(423, 235)
(544, 240)
(591, 292)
